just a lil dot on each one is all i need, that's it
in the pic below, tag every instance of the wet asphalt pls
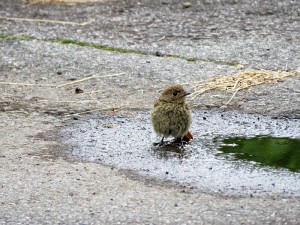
(128, 142)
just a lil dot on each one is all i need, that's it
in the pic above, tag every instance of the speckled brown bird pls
(170, 115)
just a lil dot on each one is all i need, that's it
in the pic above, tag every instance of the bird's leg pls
(181, 142)
(162, 141)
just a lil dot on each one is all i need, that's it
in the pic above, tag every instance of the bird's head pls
(173, 94)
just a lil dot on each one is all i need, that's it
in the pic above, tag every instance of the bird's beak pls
(186, 93)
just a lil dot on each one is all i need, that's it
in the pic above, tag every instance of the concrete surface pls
(40, 187)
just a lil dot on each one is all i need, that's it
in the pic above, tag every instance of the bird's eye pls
(174, 93)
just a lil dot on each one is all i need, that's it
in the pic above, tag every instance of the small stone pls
(72, 79)
(240, 66)
(158, 53)
(187, 5)
(78, 90)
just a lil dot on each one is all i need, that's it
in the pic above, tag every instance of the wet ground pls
(126, 141)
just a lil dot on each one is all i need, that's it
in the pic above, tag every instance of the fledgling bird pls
(170, 115)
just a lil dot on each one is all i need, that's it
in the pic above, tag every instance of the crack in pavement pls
(122, 50)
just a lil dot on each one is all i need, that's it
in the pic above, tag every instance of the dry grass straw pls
(90, 77)
(26, 84)
(64, 84)
(48, 21)
(109, 108)
(61, 1)
(91, 99)
(240, 81)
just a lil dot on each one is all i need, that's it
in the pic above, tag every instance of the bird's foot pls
(184, 140)
(161, 143)
(158, 143)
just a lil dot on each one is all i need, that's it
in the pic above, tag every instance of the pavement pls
(132, 49)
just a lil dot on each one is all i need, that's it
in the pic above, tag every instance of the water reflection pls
(169, 150)
(271, 151)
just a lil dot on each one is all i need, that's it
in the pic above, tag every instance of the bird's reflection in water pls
(170, 149)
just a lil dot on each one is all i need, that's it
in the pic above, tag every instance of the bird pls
(170, 115)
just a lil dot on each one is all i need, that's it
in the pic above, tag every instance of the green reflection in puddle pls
(277, 152)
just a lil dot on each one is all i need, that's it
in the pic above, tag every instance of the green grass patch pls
(97, 46)
(20, 38)
(191, 59)
(112, 49)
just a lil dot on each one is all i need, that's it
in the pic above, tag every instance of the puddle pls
(270, 151)
(126, 141)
